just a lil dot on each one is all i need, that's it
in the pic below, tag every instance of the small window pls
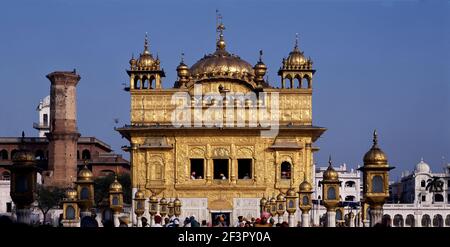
(197, 169)
(3, 155)
(331, 193)
(422, 183)
(86, 155)
(220, 169)
(285, 170)
(244, 168)
(115, 200)
(45, 120)
(349, 198)
(84, 195)
(305, 200)
(377, 184)
(424, 198)
(350, 184)
(70, 213)
(438, 198)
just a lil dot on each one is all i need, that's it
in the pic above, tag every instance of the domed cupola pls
(222, 65)
(422, 167)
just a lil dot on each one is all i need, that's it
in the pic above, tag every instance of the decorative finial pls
(146, 43)
(219, 25)
(260, 55)
(375, 138)
(296, 41)
(182, 57)
(421, 159)
(329, 160)
(23, 134)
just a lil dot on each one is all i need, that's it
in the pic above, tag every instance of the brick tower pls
(63, 136)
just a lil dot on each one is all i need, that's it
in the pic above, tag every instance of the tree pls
(48, 198)
(435, 185)
(101, 187)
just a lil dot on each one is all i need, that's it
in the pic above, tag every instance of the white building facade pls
(43, 126)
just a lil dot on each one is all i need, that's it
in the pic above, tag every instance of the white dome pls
(422, 167)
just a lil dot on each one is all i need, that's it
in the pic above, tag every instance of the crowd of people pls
(266, 220)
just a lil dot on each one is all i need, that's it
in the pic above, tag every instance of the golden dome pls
(85, 175)
(280, 197)
(296, 59)
(145, 60)
(171, 203)
(263, 201)
(132, 61)
(163, 201)
(305, 186)
(375, 156)
(139, 194)
(177, 202)
(153, 198)
(291, 192)
(182, 69)
(23, 155)
(222, 64)
(71, 194)
(273, 200)
(330, 174)
(115, 186)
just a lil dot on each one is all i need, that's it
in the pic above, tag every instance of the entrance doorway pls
(215, 218)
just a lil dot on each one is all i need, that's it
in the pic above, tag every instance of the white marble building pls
(43, 126)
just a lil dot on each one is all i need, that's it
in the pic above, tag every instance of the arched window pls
(84, 194)
(39, 155)
(12, 153)
(331, 193)
(152, 82)
(447, 220)
(306, 82)
(438, 198)
(3, 154)
(410, 221)
(438, 221)
(70, 213)
(298, 81)
(305, 200)
(115, 200)
(285, 170)
(86, 155)
(426, 221)
(386, 220)
(78, 155)
(422, 183)
(338, 214)
(137, 83)
(350, 184)
(6, 176)
(398, 220)
(377, 184)
(349, 198)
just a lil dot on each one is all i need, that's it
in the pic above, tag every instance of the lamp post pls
(85, 190)
(375, 181)
(153, 207)
(273, 206)
(139, 205)
(171, 207)
(177, 207)
(71, 211)
(304, 202)
(163, 210)
(262, 205)
(116, 200)
(23, 183)
(291, 206)
(281, 206)
(330, 193)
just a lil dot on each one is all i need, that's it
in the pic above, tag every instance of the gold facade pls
(161, 153)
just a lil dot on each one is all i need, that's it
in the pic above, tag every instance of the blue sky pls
(380, 64)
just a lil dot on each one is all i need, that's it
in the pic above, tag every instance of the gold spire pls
(375, 138)
(219, 30)
(146, 44)
(296, 42)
